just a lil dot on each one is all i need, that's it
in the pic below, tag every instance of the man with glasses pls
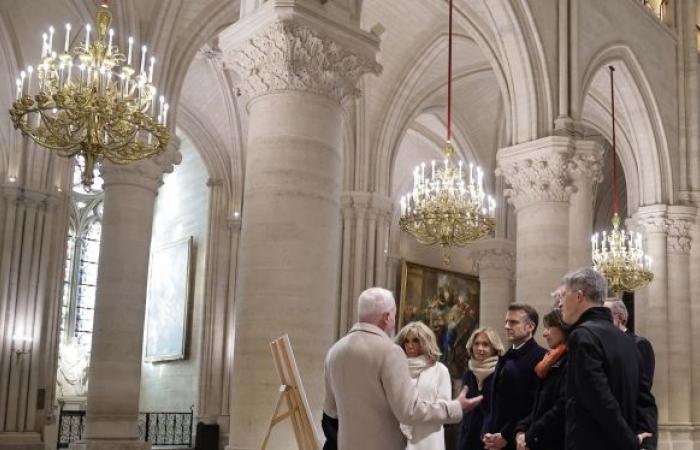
(609, 405)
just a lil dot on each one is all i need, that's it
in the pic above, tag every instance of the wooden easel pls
(291, 393)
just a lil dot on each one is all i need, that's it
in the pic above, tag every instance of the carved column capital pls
(289, 55)
(587, 162)
(147, 173)
(680, 228)
(494, 258)
(650, 220)
(537, 171)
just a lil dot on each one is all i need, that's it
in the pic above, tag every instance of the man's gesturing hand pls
(468, 403)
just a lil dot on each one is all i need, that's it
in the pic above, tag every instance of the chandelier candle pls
(105, 114)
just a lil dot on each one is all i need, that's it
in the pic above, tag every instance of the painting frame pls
(447, 301)
(169, 292)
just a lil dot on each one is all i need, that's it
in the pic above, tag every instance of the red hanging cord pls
(614, 159)
(449, 78)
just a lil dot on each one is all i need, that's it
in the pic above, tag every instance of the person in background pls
(646, 351)
(543, 429)
(484, 348)
(514, 384)
(608, 401)
(431, 378)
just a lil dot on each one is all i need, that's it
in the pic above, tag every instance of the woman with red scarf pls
(544, 428)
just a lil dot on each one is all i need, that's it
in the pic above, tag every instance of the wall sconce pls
(22, 344)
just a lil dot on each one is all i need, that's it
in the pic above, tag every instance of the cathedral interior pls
(151, 293)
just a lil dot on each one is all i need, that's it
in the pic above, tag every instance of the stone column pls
(495, 263)
(382, 206)
(295, 73)
(32, 245)
(537, 172)
(585, 170)
(120, 302)
(652, 222)
(694, 349)
(680, 223)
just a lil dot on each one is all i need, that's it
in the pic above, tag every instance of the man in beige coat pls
(368, 387)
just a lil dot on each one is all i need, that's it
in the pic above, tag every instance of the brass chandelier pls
(443, 208)
(619, 254)
(91, 101)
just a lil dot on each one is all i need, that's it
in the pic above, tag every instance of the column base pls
(679, 437)
(21, 441)
(110, 444)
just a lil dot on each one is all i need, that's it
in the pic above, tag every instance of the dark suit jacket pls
(513, 390)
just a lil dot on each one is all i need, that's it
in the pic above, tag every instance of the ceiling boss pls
(92, 100)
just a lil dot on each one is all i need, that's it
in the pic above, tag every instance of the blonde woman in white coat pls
(432, 379)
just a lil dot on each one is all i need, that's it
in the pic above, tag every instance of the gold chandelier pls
(443, 208)
(91, 101)
(619, 255)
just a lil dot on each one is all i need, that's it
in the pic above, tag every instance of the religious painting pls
(448, 302)
(168, 298)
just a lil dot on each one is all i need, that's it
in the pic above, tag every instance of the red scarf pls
(542, 368)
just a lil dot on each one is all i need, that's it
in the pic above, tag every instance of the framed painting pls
(168, 299)
(448, 302)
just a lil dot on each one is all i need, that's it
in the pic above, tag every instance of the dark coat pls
(513, 390)
(471, 428)
(544, 427)
(646, 351)
(607, 401)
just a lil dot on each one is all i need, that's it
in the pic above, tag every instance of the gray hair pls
(618, 309)
(374, 302)
(590, 282)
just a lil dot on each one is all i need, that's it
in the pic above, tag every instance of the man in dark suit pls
(515, 381)
(646, 351)
(609, 404)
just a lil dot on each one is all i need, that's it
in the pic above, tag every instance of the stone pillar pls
(537, 172)
(383, 208)
(32, 245)
(652, 222)
(295, 73)
(585, 170)
(346, 291)
(495, 263)
(694, 348)
(680, 223)
(120, 302)
(217, 351)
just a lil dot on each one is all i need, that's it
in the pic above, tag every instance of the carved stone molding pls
(587, 163)
(494, 258)
(536, 177)
(147, 173)
(681, 220)
(650, 220)
(290, 56)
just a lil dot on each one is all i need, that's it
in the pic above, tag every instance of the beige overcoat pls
(369, 390)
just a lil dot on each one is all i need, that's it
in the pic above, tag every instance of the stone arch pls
(643, 145)
(504, 45)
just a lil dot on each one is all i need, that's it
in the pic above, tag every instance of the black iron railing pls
(167, 429)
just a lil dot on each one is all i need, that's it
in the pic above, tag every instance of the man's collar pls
(519, 346)
(368, 328)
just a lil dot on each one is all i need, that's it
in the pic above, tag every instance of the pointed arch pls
(643, 150)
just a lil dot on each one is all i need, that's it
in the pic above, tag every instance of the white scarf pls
(418, 364)
(482, 369)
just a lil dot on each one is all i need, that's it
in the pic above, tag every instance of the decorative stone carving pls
(147, 173)
(495, 263)
(541, 177)
(587, 165)
(289, 56)
(679, 235)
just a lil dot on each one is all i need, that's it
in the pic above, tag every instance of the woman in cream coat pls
(432, 379)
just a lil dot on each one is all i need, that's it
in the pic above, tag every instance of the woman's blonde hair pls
(425, 336)
(491, 335)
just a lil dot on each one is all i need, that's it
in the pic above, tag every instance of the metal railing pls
(163, 429)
